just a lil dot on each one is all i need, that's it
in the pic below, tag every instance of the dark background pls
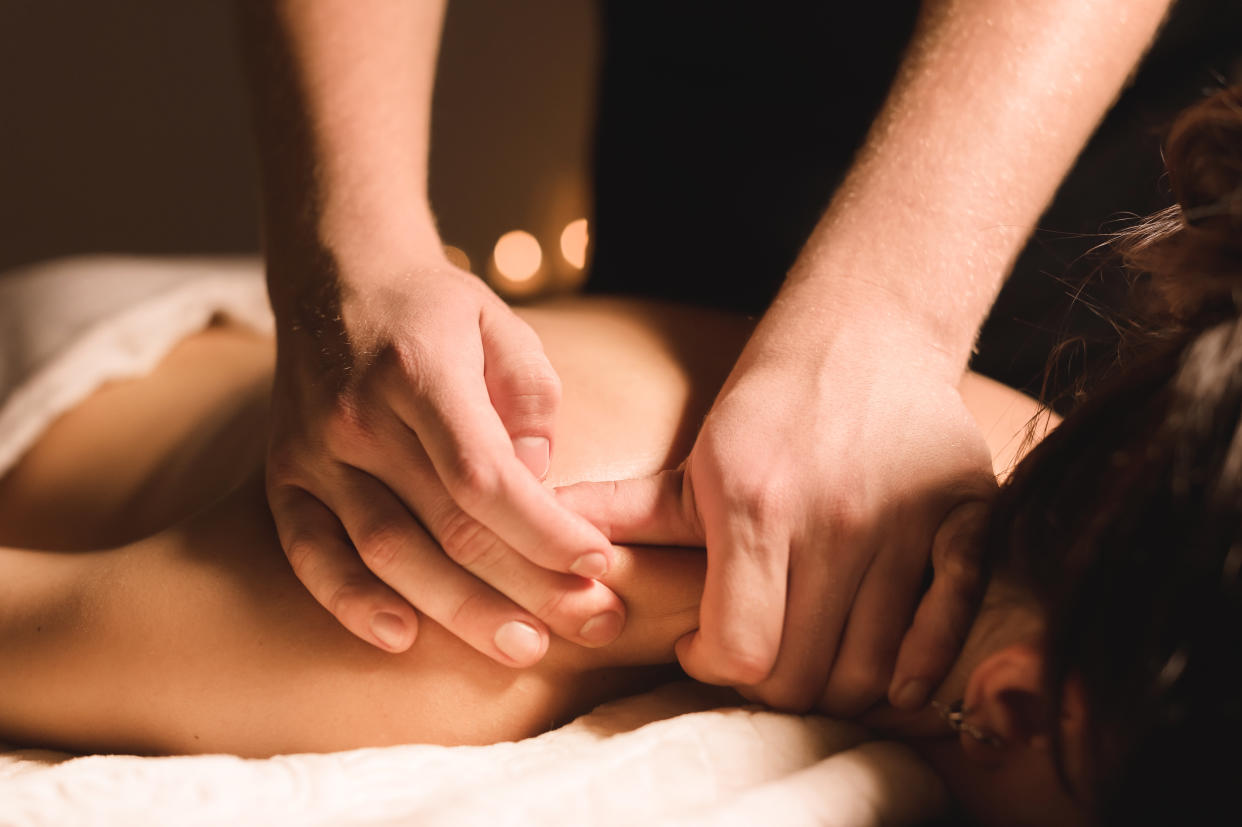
(123, 126)
(123, 129)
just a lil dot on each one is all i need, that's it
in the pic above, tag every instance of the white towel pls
(70, 325)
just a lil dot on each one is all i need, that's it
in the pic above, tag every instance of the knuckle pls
(302, 553)
(847, 512)
(469, 543)
(745, 665)
(473, 480)
(472, 610)
(756, 499)
(569, 608)
(959, 568)
(346, 596)
(959, 564)
(530, 375)
(555, 608)
(381, 549)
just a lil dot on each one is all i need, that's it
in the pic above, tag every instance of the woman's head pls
(1123, 528)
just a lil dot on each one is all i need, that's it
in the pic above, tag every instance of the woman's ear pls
(1005, 698)
(1008, 767)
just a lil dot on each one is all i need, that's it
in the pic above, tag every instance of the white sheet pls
(670, 756)
(657, 758)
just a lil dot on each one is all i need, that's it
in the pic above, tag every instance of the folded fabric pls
(70, 325)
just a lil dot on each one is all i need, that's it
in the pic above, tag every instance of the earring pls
(955, 715)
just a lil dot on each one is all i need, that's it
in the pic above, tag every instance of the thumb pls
(524, 389)
(657, 510)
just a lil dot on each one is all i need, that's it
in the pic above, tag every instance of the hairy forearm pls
(992, 104)
(342, 99)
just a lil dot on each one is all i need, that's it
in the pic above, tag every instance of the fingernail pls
(912, 694)
(519, 641)
(592, 564)
(389, 629)
(535, 452)
(601, 629)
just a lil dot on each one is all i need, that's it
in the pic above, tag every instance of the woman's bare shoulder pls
(1011, 422)
(639, 372)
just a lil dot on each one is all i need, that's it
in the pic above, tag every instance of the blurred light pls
(517, 255)
(457, 257)
(574, 242)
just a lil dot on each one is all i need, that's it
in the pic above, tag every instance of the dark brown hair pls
(1126, 522)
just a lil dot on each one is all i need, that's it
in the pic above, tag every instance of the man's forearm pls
(342, 99)
(992, 104)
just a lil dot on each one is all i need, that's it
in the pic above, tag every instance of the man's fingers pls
(880, 614)
(475, 461)
(575, 608)
(648, 511)
(947, 610)
(524, 389)
(578, 609)
(820, 597)
(741, 615)
(398, 551)
(323, 559)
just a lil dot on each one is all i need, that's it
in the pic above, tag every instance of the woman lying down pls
(145, 603)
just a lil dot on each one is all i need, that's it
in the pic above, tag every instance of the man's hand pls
(822, 488)
(838, 457)
(413, 412)
(412, 424)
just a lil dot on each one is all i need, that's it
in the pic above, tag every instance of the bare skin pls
(171, 600)
(827, 527)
